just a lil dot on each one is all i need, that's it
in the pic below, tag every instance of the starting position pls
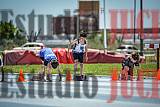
(49, 61)
(128, 64)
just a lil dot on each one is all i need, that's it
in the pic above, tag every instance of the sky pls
(56, 7)
(129, 5)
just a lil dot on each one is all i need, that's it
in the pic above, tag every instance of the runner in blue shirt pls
(49, 60)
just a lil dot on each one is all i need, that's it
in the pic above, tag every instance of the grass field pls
(89, 69)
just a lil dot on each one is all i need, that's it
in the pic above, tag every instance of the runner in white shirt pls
(79, 49)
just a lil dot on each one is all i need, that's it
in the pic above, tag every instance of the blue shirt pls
(47, 54)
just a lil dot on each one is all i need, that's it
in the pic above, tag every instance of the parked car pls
(127, 49)
(31, 46)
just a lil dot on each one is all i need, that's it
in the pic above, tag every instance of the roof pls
(38, 43)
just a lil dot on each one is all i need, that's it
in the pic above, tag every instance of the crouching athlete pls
(49, 61)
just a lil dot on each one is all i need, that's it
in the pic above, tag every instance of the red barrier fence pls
(28, 57)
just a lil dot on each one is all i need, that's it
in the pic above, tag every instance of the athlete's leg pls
(49, 75)
(41, 72)
(59, 73)
(81, 69)
(75, 66)
(80, 58)
(131, 72)
(75, 56)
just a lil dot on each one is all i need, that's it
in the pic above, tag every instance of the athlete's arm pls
(86, 51)
(71, 43)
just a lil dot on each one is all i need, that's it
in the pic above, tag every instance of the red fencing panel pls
(28, 57)
(93, 57)
(61, 54)
(20, 57)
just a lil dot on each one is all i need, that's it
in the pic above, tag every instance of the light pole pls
(76, 13)
(134, 21)
(141, 31)
(105, 36)
(77, 23)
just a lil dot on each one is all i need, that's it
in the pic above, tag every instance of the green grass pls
(89, 69)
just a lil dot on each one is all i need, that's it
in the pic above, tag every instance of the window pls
(135, 48)
(130, 47)
(25, 46)
(31, 45)
(121, 47)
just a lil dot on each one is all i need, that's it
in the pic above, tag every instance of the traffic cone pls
(158, 75)
(114, 74)
(68, 76)
(21, 76)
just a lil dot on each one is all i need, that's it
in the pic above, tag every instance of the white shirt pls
(79, 48)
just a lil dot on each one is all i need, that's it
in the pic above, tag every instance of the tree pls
(10, 36)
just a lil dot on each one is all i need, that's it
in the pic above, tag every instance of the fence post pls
(1, 66)
(158, 58)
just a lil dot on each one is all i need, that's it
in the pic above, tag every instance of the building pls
(89, 15)
(88, 18)
(64, 25)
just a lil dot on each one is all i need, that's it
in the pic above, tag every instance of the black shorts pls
(44, 62)
(42, 58)
(78, 56)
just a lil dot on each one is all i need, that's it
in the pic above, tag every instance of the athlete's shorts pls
(44, 62)
(78, 56)
(42, 58)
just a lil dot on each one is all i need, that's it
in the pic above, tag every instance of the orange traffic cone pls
(68, 76)
(158, 75)
(114, 74)
(21, 76)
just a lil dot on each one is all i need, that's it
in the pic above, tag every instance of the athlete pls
(79, 50)
(49, 61)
